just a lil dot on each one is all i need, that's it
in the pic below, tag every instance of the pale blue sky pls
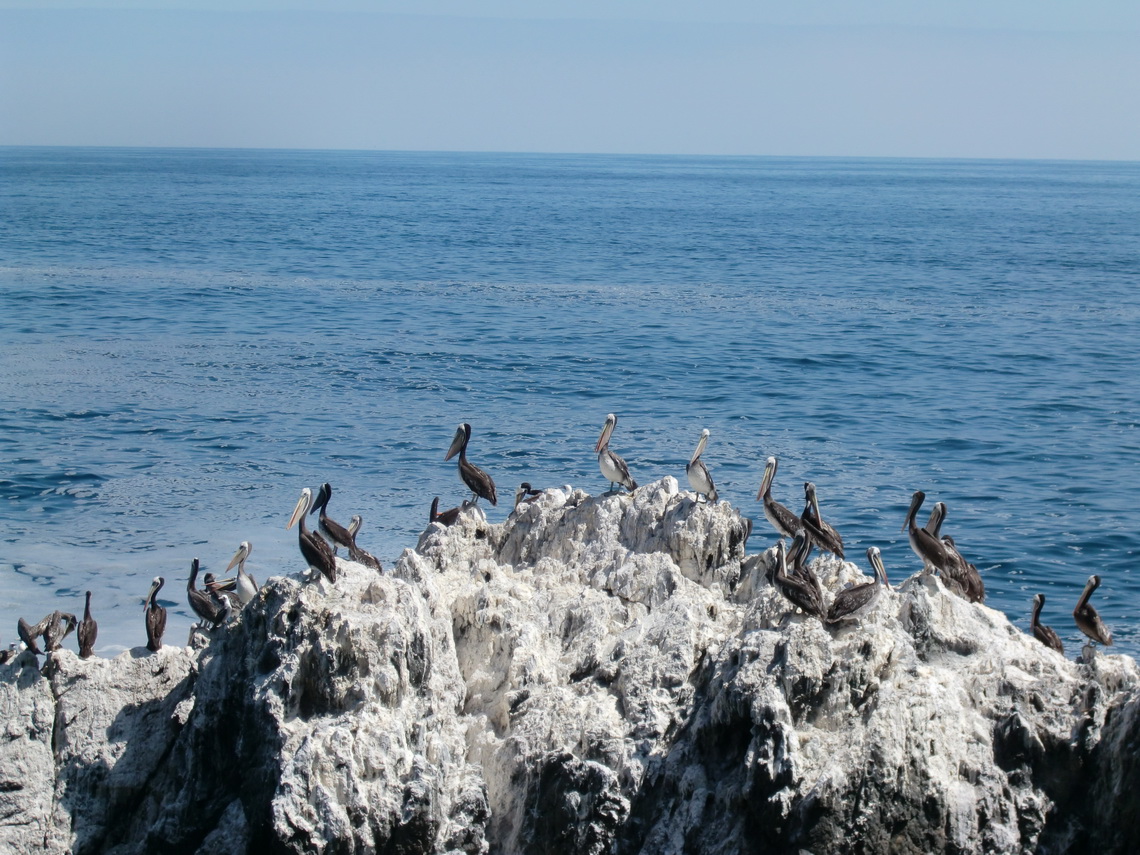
(1042, 79)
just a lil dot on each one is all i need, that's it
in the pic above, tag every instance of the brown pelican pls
(88, 630)
(357, 554)
(828, 539)
(246, 586)
(447, 517)
(223, 593)
(155, 616)
(334, 532)
(798, 591)
(56, 627)
(964, 573)
(201, 602)
(857, 600)
(937, 517)
(28, 635)
(1088, 621)
(477, 481)
(699, 478)
(1043, 633)
(526, 493)
(612, 466)
(314, 550)
(784, 521)
(798, 554)
(926, 546)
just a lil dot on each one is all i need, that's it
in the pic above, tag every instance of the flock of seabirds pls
(219, 599)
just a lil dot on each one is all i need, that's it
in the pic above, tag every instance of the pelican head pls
(242, 553)
(459, 442)
(766, 481)
(877, 564)
(354, 524)
(155, 586)
(323, 496)
(303, 505)
(607, 429)
(701, 443)
(915, 503)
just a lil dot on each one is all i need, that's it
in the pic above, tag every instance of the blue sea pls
(192, 336)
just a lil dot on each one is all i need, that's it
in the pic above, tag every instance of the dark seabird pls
(357, 554)
(613, 467)
(526, 493)
(1043, 633)
(56, 627)
(799, 592)
(477, 481)
(201, 602)
(246, 586)
(699, 478)
(222, 592)
(826, 537)
(926, 546)
(857, 600)
(783, 520)
(798, 554)
(88, 631)
(334, 532)
(28, 635)
(1088, 621)
(447, 517)
(155, 616)
(937, 517)
(314, 550)
(965, 573)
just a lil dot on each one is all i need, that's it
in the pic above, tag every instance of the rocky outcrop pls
(596, 674)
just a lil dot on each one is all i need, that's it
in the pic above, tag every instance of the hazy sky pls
(1003, 78)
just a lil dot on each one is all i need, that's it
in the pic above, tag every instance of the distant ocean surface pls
(191, 337)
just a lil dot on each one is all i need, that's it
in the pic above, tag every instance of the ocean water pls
(191, 337)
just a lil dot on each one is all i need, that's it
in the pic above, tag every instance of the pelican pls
(88, 630)
(477, 481)
(937, 517)
(28, 635)
(799, 553)
(699, 478)
(334, 532)
(200, 601)
(829, 539)
(1043, 633)
(784, 521)
(447, 517)
(225, 595)
(314, 550)
(926, 546)
(246, 585)
(155, 616)
(965, 573)
(856, 601)
(1088, 621)
(526, 493)
(357, 554)
(56, 627)
(798, 591)
(612, 466)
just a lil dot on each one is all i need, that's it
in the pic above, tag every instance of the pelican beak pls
(766, 481)
(605, 435)
(239, 556)
(701, 443)
(877, 562)
(456, 444)
(302, 507)
(915, 503)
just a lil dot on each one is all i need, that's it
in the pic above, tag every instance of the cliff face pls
(596, 674)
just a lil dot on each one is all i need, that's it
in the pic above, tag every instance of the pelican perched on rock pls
(964, 573)
(1043, 633)
(699, 478)
(357, 554)
(55, 628)
(246, 587)
(203, 605)
(798, 591)
(28, 634)
(88, 631)
(334, 532)
(314, 550)
(526, 493)
(1088, 621)
(925, 545)
(477, 481)
(613, 467)
(856, 601)
(826, 537)
(447, 517)
(155, 616)
(224, 594)
(783, 520)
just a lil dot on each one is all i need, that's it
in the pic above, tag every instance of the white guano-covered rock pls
(596, 674)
